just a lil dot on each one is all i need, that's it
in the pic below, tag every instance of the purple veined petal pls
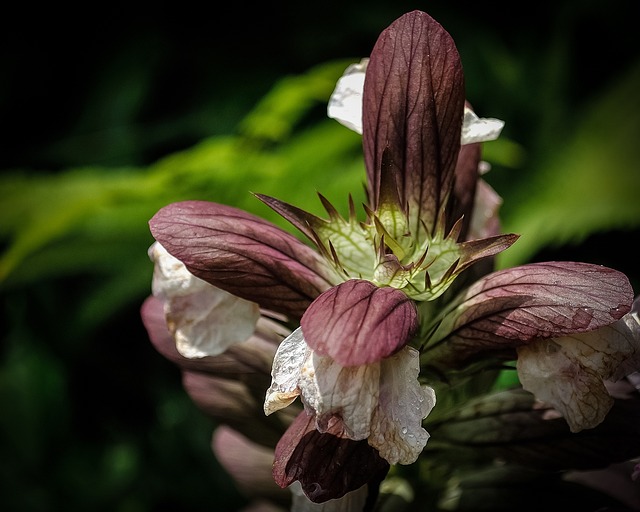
(413, 104)
(327, 465)
(515, 306)
(357, 323)
(243, 254)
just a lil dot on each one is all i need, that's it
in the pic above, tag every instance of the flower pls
(377, 315)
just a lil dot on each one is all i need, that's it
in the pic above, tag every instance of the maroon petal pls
(358, 323)
(464, 190)
(541, 300)
(327, 465)
(413, 104)
(242, 254)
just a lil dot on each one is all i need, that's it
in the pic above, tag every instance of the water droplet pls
(404, 430)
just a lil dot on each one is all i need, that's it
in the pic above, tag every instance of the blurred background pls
(109, 114)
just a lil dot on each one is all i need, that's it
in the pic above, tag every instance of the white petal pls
(203, 319)
(208, 322)
(350, 392)
(396, 430)
(285, 373)
(345, 103)
(551, 371)
(354, 500)
(568, 372)
(170, 277)
(476, 129)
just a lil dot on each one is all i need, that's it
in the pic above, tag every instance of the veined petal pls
(328, 465)
(403, 403)
(345, 106)
(203, 319)
(243, 254)
(568, 372)
(555, 373)
(462, 200)
(413, 109)
(358, 323)
(513, 307)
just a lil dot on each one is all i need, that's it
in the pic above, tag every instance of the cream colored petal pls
(345, 103)
(285, 374)
(350, 392)
(568, 372)
(396, 430)
(556, 373)
(476, 129)
(207, 322)
(170, 277)
(203, 319)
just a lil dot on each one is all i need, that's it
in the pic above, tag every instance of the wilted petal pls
(327, 465)
(357, 323)
(204, 320)
(285, 374)
(568, 372)
(513, 307)
(396, 427)
(243, 254)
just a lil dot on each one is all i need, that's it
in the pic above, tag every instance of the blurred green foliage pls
(93, 418)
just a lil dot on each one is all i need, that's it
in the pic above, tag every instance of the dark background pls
(99, 421)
